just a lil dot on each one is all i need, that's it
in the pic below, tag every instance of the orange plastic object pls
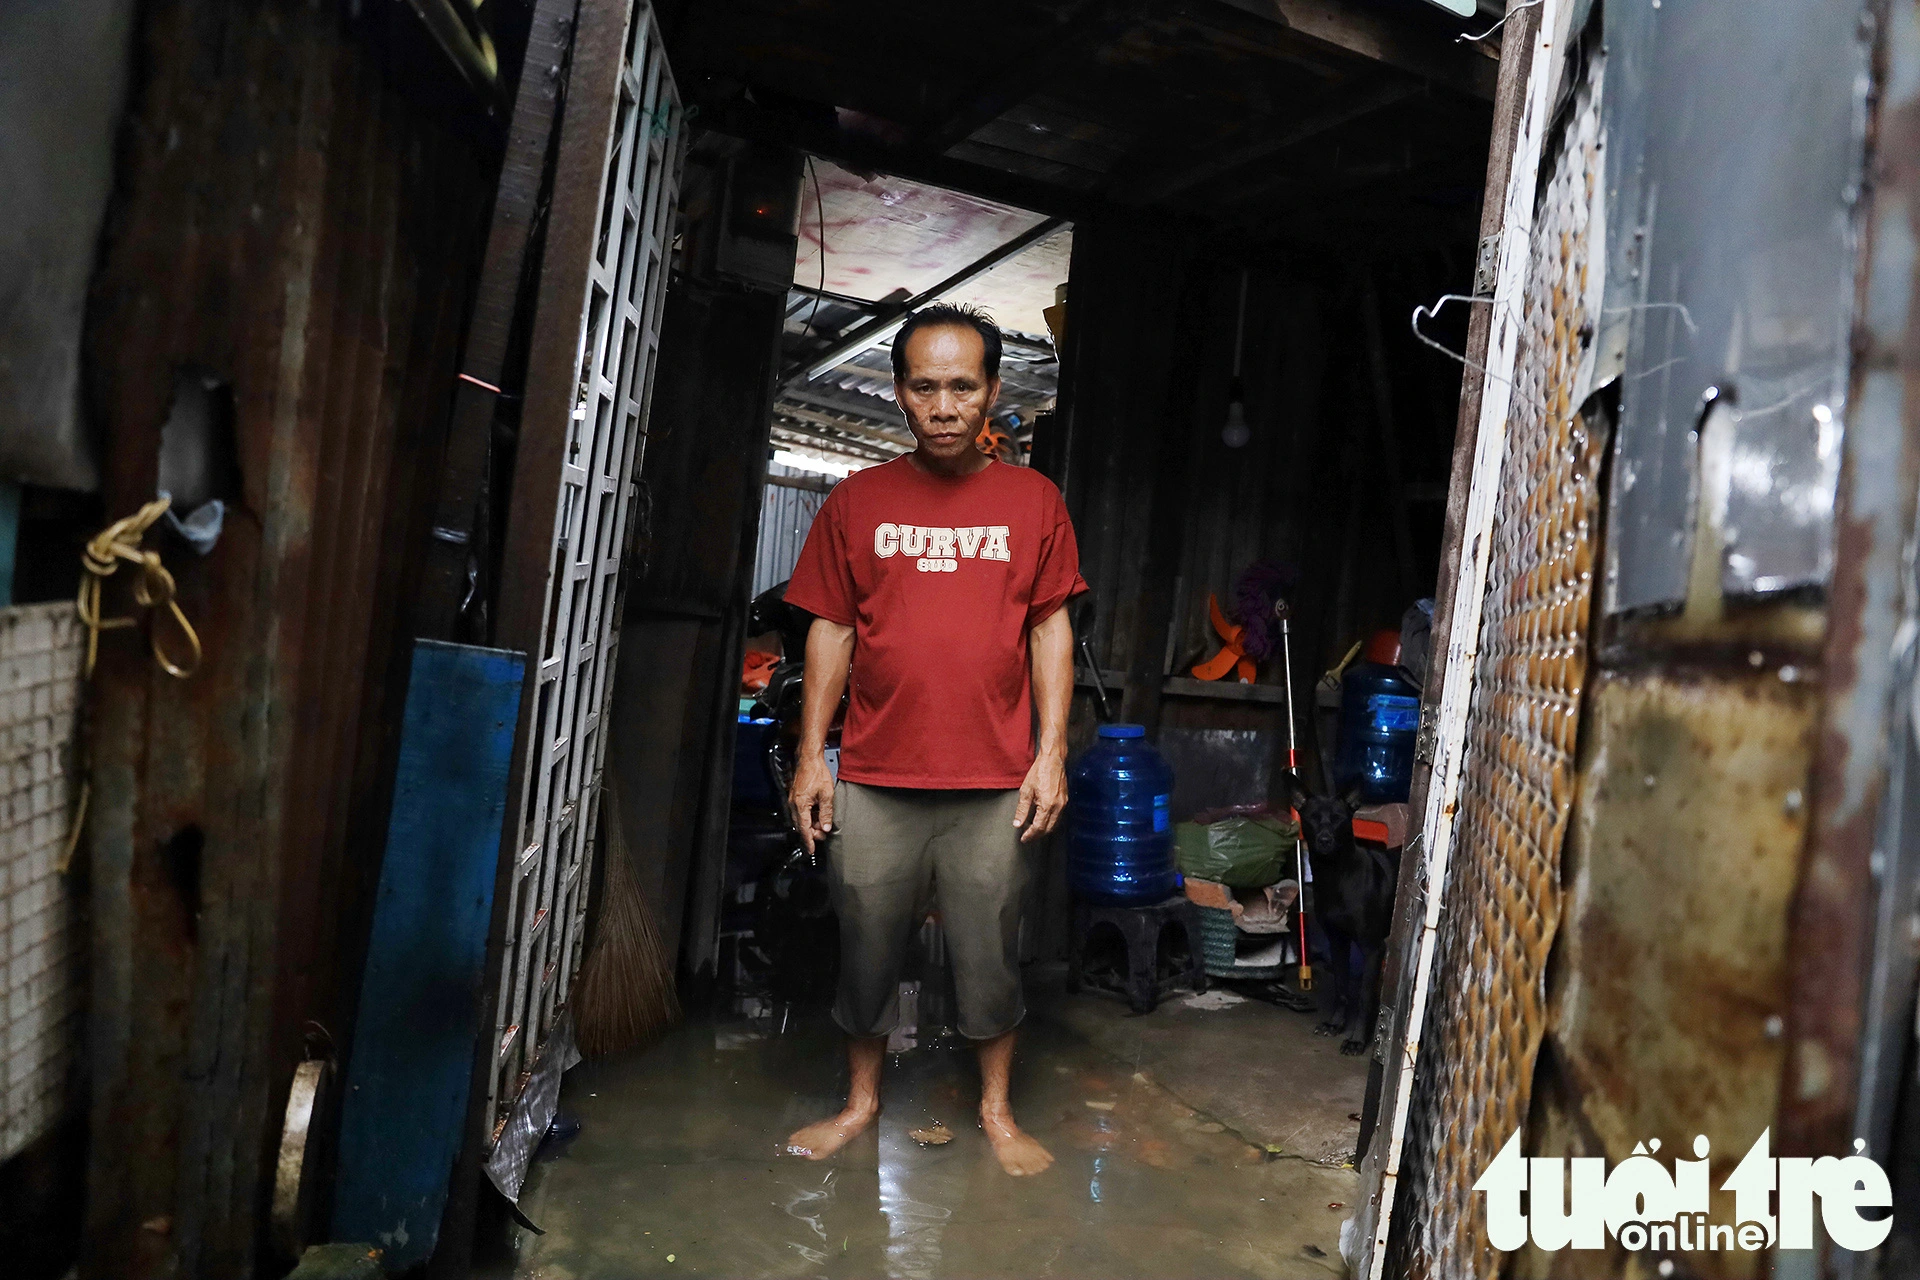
(994, 442)
(1368, 829)
(1231, 656)
(756, 670)
(1383, 647)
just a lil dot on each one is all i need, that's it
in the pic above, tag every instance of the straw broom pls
(625, 996)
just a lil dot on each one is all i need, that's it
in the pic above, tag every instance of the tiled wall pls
(43, 939)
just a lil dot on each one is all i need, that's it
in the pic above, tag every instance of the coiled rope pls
(117, 544)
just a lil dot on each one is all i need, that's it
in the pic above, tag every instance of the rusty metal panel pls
(1502, 889)
(1670, 976)
(288, 220)
(574, 485)
(1855, 928)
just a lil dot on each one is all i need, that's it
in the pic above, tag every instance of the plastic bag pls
(1242, 852)
(1416, 642)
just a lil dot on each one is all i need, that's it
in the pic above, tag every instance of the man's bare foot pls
(820, 1140)
(1016, 1150)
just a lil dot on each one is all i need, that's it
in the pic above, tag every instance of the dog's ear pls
(1294, 789)
(1351, 799)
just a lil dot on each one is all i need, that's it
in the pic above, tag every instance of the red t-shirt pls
(940, 578)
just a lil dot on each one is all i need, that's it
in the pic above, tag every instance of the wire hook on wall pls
(1432, 313)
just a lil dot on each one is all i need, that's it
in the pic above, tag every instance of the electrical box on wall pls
(739, 213)
(756, 219)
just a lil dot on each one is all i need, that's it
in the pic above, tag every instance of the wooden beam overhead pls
(1333, 24)
(1264, 139)
(1090, 25)
(1362, 227)
(1256, 32)
(868, 155)
(1360, 60)
(1282, 196)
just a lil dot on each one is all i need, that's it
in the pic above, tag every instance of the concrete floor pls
(1189, 1142)
(1255, 1068)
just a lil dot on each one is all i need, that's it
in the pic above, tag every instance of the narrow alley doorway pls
(1214, 1136)
(1201, 349)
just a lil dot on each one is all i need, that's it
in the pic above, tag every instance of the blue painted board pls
(404, 1110)
(9, 536)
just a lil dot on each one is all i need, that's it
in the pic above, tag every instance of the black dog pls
(1353, 887)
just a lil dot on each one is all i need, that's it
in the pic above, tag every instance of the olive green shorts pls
(895, 853)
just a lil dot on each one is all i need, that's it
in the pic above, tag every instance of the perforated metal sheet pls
(1502, 893)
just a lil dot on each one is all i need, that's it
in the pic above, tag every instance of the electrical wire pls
(820, 216)
(1240, 326)
(1529, 4)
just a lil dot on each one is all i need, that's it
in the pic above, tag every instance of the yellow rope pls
(119, 543)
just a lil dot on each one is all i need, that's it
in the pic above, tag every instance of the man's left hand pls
(1042, 796)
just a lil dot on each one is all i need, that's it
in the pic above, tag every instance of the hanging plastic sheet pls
(533, 1113)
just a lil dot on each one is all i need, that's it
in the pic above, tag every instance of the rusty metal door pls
(575, 497)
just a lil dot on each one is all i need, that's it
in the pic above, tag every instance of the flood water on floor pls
(678, 1172)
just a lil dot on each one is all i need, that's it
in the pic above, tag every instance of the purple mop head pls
(1254, 591)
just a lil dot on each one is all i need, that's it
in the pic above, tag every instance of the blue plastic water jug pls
(1119, 821)
(1379, 721)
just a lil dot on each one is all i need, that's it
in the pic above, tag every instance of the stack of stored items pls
(1236, 864)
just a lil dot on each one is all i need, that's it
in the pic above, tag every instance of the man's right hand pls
(811, 799)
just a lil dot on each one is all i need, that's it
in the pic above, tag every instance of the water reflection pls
(808, 1204)
(679, 1155)
(914, 1227)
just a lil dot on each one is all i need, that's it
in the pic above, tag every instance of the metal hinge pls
(1486, 270)
(1428, 738)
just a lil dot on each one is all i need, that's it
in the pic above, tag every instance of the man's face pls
(946, 395)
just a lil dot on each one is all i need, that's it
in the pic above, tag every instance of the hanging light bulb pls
(1236, 432)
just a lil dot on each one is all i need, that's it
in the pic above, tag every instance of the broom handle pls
(1293, 766)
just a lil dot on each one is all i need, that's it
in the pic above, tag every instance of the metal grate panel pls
(613, 377)
(1487, 1011)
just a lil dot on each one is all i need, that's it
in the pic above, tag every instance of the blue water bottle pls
(1379, 722)
(1119, 821)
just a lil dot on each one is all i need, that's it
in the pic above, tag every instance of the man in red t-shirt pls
(936, 582)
